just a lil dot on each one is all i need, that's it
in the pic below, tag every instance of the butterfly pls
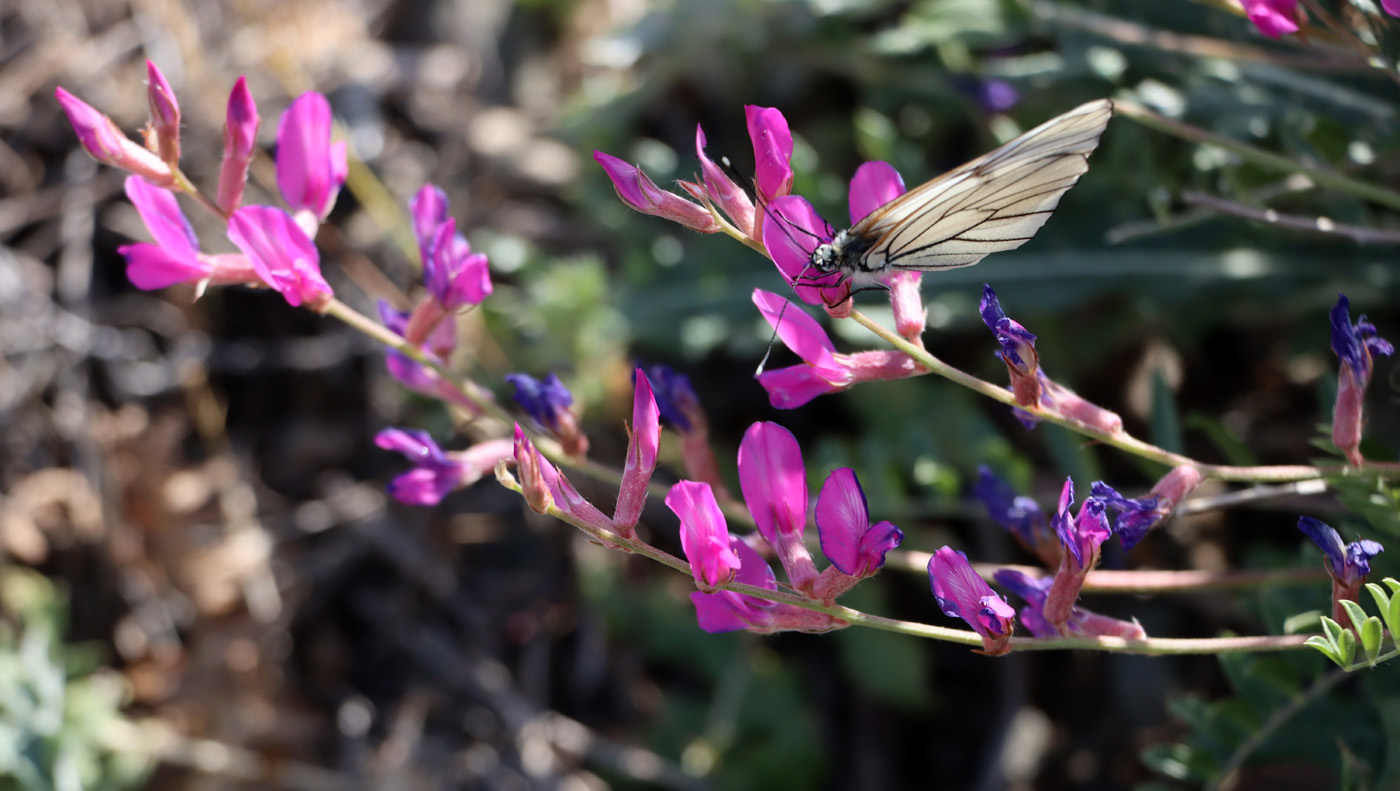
(993, 203)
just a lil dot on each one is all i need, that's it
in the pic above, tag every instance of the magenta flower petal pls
(642, 444)
(310, 171)
(848, 539)
(1391, 7)
(704, 533)
(962, 593)
(1274, 18)
(772, 152)
(721, 189)
(727, 611)
(428, 208)
(150, 266)
(281, 253)
(797, 329)
(873, 185)
(773, 480)
(160, 211)
(240, 138)
(793, 386)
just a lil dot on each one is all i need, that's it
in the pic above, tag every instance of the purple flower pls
(1137, 517)
(165, 114)
(855, 547)
(1391, 7)
(1036, 592)
(240, 139)
(1082, 537)
(1021, 515)
(1017, 349)
(704, 534)
(310, 168)
(1348, 563)
(454, 275)
(1274, 18)
(774, 483)
(823, 371)
(643, 440)
(548, 402)
(284, 257)
(437, 473)
(997, 96)
(962, 593)
(105, 143)
(1354, 344)
(639, 192)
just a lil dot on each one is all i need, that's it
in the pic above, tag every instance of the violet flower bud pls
(1355, 345)
(772, 152)
(681, 408)
(1347, 564)
(962, 593)
(1082, 537)
(436, 472)
(1017, 349)
(1020, 515)
(1137, 517)
(240, 142)
(105, 143)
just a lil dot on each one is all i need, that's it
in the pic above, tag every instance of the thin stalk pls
(1266, 159)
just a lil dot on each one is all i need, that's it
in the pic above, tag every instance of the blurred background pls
(204, 585)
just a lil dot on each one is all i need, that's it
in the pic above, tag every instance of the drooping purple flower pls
(848, 540)
(453, 274)
(1274, 18)
(1138, 516)
(165, 114)
(1082, 537)
(550, 404)
(284, 257)
(1017, 349)
(639, 192)
(310, 168)
(105, 143)
(240, 139)
(436, 472)
(962, 593)
(1020, 515)
(1036, 592)
(643, 439)
(1355, 345)
(1347, 564)
(704, 534)
(824, 370)
(774, 484)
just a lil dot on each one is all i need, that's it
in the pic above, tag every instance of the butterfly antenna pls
(773, 337)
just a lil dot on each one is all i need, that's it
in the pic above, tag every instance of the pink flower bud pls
(641, 194)
(240, 139)
(642, 443)
(310, 168)
(165, 114)
(106, 143)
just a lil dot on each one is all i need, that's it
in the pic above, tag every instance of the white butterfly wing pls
(993, 203)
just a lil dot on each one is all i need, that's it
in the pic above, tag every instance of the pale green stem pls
(1258, 156)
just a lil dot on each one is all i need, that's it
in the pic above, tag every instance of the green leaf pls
(1327, 648)
(1390, 610)
(1371, 637)
(1346, 647)
(1355, 612)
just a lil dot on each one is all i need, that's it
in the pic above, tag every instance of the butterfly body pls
(994, 203)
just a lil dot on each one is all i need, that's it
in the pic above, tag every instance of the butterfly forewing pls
(993, 203)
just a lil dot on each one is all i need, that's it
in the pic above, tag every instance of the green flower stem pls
(1258, 156)
(1122, 441)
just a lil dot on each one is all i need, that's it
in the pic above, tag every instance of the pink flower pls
(283, 256)
(961, 593)
(175, 256)
(824, 370)
(240, 139)
(310, 168)
(873, 185)
(772, 152)
(643, 440)
(436, 472)
(454, 275)
(728, 611)
(641, 194)
(855, 547)
(165, 114)
(1274, 18)
(774, 484)
(106, 143)
(704, 534)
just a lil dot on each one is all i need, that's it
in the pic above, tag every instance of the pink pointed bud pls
(1058, 398)
(642, 443)
(240, 141)
(310, 168)
(106, 143)
(910, 317)
(535, 474)
(165, 114)
(704, 534)
(723, 192)
(774, 483)
(962, 593)
(641, 194)
(283, 256)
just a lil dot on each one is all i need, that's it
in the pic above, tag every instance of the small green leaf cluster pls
(1339, 643)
